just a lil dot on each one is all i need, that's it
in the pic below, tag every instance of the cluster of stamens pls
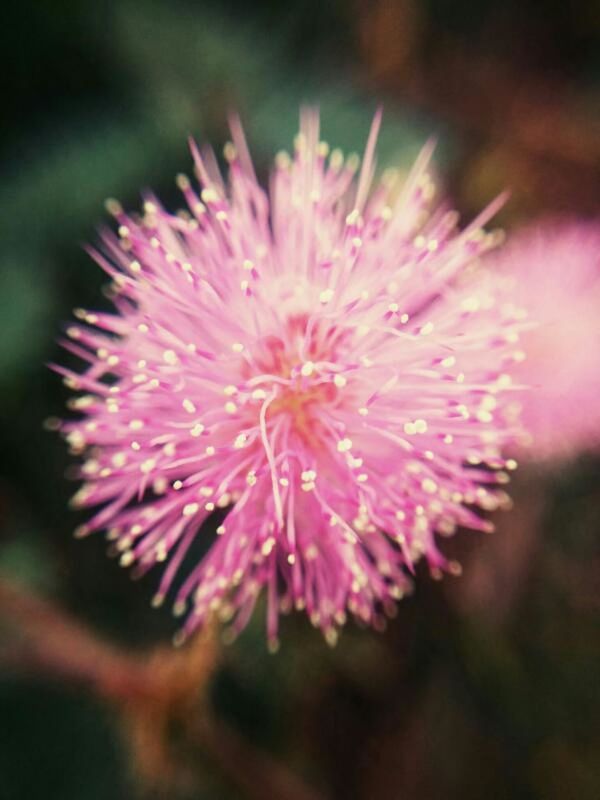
(323, 365)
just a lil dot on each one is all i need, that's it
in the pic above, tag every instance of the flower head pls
(554, 271)
(324, 362)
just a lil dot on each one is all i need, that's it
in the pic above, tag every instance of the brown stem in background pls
(152, 691)
(47, 641)
(524, 125)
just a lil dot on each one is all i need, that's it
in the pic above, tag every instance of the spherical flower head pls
(553, 268)
(326, 363)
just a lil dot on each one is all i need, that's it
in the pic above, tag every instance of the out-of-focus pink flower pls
(325, 362)
(554, 272)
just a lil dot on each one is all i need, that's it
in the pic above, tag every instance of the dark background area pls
(485, 686)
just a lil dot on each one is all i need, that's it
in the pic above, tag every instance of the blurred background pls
(485, 686)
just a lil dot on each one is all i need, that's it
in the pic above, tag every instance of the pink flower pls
(323, 361)
(554, 271)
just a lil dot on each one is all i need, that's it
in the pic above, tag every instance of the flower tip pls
(273, 644)
(179, 608)
(113, 207)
